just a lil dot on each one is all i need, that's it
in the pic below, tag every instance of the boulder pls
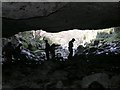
(101, 78)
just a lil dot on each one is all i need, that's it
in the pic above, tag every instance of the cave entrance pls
(34, 41)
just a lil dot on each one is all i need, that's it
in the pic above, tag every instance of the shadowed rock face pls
(24, 10)
(56, 17)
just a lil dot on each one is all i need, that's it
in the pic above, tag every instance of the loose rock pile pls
(104, 48)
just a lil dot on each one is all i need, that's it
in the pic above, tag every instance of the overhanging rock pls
(56, 17)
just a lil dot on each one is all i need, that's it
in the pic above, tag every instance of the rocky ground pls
(98, 62)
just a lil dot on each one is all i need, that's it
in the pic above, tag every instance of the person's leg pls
(47, 55)
(53, 54)
(70, 54)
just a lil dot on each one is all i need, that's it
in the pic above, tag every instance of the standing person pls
(47, 49)
(52, 50)
(70, 48)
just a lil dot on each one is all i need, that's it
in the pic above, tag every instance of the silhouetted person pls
(94, 85)
(8, 51)
(52, 50)
(47, 49)
(70, 48)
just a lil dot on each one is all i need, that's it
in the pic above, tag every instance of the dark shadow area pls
(99, 59)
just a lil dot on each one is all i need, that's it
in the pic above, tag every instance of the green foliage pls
(109, 37)
(35, 41)
(117, 32)
(103, 35)
(25, 44)
(115, 36)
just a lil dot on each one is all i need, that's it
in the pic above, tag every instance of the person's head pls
(73, 40)
(53, 45)
(46, 41)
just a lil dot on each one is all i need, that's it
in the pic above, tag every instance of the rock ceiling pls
(58, 16)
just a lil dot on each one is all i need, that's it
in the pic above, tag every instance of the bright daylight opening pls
(34, 41)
